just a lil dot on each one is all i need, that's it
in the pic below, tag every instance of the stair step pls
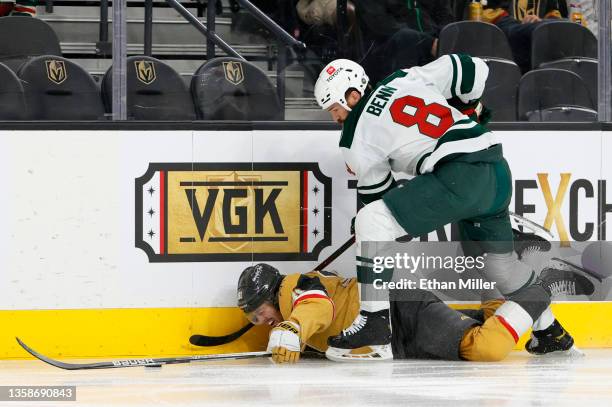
(81, 29)
(248, 51)
(132, 12)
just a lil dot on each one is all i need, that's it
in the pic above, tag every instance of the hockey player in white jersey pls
(417, 121)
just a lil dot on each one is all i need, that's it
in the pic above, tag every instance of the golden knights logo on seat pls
(145, 71)
(234, 73)
(56, 71)
(233, 211)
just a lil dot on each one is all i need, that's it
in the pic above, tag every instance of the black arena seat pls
(500, 93)
(586, 68)
(58, 89)
(551, 88)
(561, 39)
(24, 38)
(233, 89)
(563, 114)
(154, 91)
(12, 101)
(474, 38)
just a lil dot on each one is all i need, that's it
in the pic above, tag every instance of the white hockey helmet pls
(335, 79)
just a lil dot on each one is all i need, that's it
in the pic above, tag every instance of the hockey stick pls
(149, 362)
(335, 254)
(203, 340)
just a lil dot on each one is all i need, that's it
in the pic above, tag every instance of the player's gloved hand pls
(485, 116)
(284, 342)
(482, 114)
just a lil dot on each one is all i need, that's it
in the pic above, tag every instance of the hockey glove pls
(284, 342)
(481, 114)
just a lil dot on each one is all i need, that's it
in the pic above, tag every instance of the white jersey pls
(408, 124)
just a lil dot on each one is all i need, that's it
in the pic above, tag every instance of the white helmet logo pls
(334, 72)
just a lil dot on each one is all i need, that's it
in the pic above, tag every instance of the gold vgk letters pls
(233, 211)
(554, 205)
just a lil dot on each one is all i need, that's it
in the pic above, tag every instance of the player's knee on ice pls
(490, 342)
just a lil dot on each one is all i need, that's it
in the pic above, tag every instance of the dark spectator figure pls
(518, 18)
(282, 12)
(399, 34)
(317, 12)
(317, 20)
(319, 29)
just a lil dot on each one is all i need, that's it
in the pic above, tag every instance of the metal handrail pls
(604, 74)
(285, 40)
(212, 26)
(103, 46)
(271, 25)
(148, 28)
(103, 21)
(193, 20)
(342, 24)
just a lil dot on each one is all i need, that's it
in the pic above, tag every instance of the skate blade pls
(573, 352)
(376, 353)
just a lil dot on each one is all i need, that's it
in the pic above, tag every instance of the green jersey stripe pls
(371, 197)
(348, 129)
(364, 259)
(375, 186)
(461, 134)
(468, 73)
(393, 76)
(367, 275)
(455, 74)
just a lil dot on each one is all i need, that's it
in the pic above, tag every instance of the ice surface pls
(521, 380)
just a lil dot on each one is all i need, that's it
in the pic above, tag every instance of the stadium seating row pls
(563, 58)
(568, 86)
(551, 41)
(50, 87)
(55, 88)
(231, 89)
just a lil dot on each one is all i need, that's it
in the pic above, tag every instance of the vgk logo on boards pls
(56, 71)
(234, 73)
(233, 211)
(145, 71)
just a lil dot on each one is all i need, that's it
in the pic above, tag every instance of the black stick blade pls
(203, 340)
(62, 365)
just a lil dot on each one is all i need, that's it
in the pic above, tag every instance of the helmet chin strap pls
(345, 105)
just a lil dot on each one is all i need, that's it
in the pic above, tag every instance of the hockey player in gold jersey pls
(306, 309)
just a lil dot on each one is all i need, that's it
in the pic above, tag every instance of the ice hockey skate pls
(367, 339)
(559, 278)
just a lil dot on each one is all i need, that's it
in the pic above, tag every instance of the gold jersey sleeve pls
(322, 303)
